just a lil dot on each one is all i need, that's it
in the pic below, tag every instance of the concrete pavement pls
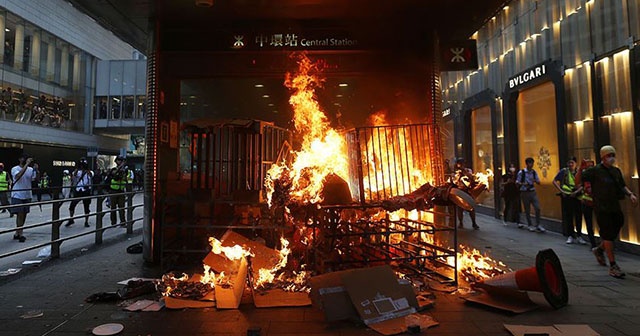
(58, 289)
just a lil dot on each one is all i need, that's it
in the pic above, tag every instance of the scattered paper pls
(125, 282)
(10, 271)
(32, 314)
(139, 305)
(45, 252)
(31, 262)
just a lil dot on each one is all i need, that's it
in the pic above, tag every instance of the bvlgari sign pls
(527, 76)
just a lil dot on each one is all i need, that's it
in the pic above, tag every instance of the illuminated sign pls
(459, 55)
(528, 75)
(446, 112)
(60, 163)
(291, 41)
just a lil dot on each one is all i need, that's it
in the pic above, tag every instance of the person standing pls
(569, 192)
(22, 175)
(35, 184)
(526, 180)
(511, 195)
(607, 189)
(118, 177)
(66, 184)
(81, 180)
(464, 179)
(587, 200)
(5, 184)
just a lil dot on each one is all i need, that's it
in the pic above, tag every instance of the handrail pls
(56, 222)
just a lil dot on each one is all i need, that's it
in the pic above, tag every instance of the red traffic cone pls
(546, 277)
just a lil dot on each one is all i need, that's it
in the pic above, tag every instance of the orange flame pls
(322, 149)
(235, 252)
(474, 266)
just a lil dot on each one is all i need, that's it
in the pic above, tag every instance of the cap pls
(606, 150)
(65, 171)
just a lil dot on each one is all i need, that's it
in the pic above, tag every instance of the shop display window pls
(538, 138)
(482, 151)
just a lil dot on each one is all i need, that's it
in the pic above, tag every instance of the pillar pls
(64, 66)
(18, 51)
(34, 62)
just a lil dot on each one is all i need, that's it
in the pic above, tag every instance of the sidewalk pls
(58, 289)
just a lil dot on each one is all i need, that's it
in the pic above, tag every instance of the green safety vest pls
(569, 183)
(44, 183)
(4, 183)
(118, 184)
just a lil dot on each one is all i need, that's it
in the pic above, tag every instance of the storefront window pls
(538, 138)
(580, 127)
(100, 111)
(141, 107)
(115, 108)
(482, 150)
(614, 72)
(128, 107)
(448, 145)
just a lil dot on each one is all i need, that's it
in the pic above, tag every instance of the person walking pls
(81, 180)
(464, 180)
(526, 180)
(608, 189)
(5, 184)
(586, 199)
(511, 195)
(22, 175)
(117, 178)
(569, 192)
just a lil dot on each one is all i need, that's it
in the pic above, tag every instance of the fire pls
(235, 252)
(388, 158)
(322, 148)
(474, 266)
(269, 275)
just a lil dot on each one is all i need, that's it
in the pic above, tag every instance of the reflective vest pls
(44, 183)
(66, 180)
(118, 184)
(4, 183)
(569, 183)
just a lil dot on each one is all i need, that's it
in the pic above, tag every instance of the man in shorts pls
(607, 189)
(22, 175)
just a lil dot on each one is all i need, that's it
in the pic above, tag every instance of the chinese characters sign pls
(290, 41)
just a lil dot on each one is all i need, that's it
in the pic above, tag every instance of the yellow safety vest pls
(4, 183)
(569, 183)
(44, 183)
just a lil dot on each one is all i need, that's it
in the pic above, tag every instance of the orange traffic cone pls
(546, 277)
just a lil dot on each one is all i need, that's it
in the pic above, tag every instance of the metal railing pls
(56, 221)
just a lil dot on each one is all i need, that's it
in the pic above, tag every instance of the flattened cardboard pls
(376, 294)
(401, 324)
(507, 299)
(230, 298)
(555, 330)
(329, 295)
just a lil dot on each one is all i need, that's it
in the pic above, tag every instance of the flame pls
(387, 157)
(474, 266)
(482, 178)
(235, 252)
(269, 275)
(322, 148)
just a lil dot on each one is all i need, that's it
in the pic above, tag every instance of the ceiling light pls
(339, 96)
(343, 85)
(270, 104)
(259, 85)
(7, 29)
(265, 96)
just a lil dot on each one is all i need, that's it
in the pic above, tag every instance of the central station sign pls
(291, 41)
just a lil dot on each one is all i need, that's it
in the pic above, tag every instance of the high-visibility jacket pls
(44, 183)
(569, 182)
(4, 181)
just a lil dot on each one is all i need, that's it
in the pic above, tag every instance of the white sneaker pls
(541, 229)
(570, 240)
(581, 241)
(521, 226)
(531, 228)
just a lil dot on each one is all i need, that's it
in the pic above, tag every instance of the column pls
(64, 66)
(34, 63)
(18, 50)
(2, 36)
(51, 62)
(76, 70)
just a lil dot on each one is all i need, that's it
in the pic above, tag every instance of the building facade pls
(49, 62)
(556, 79)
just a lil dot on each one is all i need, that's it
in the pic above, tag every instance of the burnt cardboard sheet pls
(329, 295)
(376, 294)
(507, 299)
(402, 324)
(173, 303)
(555, 330)
(230, 297)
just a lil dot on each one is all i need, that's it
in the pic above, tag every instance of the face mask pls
(512, 169)
(611, 160)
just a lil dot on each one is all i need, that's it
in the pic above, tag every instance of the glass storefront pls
(120, 90)
(482, 150)
(538, 138)
(42, 78)
(614, 73)
(448, 142)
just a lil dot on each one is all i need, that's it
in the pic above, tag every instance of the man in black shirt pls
(608, 188)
